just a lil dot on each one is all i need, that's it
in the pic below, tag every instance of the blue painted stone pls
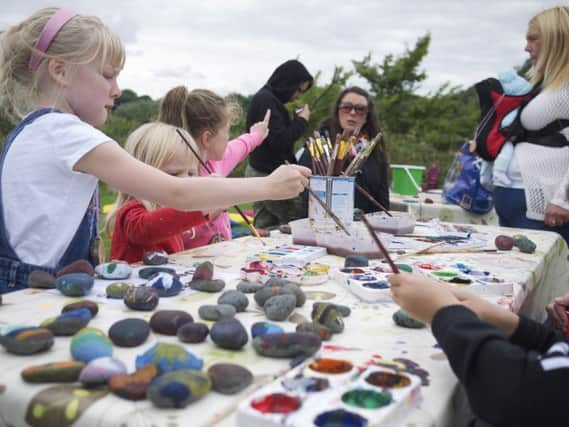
(26, 339)
(229, 334)
(129, 332)
(290, 344)
(193, 332)
(89, 344)
(74, 284)
(167, 285)
(141, 298)
(89, 305)
(216, 312)
(113, 270)
(68, 323)
(168, 322)
(235, 298)
(279, 307)
(263, 328)
(228, 378)
(169, 357)
(178, 389)
(99, 371)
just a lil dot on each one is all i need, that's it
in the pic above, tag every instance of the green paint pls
(445, 274)
(405, 267)
(368, 399)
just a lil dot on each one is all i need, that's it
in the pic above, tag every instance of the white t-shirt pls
(43, 199)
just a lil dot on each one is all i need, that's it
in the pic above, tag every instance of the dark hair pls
(371, 126)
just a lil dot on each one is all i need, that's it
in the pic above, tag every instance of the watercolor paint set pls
(369, 284)
(308, 275)
(289, 254)
(332, 391)
(469, 277)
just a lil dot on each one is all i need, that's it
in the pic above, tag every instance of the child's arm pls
(111, 164)
(144, 227)
(238, 148)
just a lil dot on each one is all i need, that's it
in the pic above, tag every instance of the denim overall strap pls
(13, 272)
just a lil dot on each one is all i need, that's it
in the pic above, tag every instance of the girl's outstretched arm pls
(114, 166)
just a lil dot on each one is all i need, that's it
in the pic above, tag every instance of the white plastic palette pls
(289, 254)
(308, 275)
(469, 277)
(367, 283)
(397, 223)
(334, 395)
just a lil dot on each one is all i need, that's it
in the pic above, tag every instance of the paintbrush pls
(237, 208)
(382, 249)
(371, 199)
(326, 208)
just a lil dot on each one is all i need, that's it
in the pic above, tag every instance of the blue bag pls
(462, 185)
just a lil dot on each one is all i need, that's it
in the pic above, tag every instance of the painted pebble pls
(99, 371)
(155, 258)
(329, 316)
(168, 322)
(401, 318)
(113, 270)
(89, 305)
(235, 298)
(89, 344)
(291, 344)
(167, 285)
(74, 284)
(524, 244)
(263, 294)
(263, 328)
(204, 271)
(117, 290)
(41, 279)
(149, 272)
(178, 389)
(194, 332)
(168, 357)
(229, 334)
(299, 293)
(68, 323)
(344, 310)
(129, 332)
(207, 285)
(216, 312)
(133, 387)
(26, 339)
(79, 266)
(316, 328)
(56, 372)
(504, 243)
(279, 307)
(228, 378)
(141, 298)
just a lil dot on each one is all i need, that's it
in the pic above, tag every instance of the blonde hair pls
(552, 65)
(82, 40)
(155, 144)
(197, 111)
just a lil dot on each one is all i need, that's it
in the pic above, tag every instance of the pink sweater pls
(220, 228)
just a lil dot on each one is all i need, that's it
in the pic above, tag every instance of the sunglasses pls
(347, 107)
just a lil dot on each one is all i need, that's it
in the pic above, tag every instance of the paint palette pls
(307, 275)
(368, 283)
(469, 277)
(333, 391)
(289, 254)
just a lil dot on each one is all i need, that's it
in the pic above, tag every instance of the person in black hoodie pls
(286, 84)
(514, 370)
(354, 109)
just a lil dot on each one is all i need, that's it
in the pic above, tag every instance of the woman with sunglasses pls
(354, 110)
(286, 84)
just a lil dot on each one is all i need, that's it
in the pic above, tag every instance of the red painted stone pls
(276, 403)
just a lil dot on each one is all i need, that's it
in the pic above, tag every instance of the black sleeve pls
(507, 385)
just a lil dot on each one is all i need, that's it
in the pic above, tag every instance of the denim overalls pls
(13, 272)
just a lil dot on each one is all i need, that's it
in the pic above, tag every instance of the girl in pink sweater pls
(208, 117)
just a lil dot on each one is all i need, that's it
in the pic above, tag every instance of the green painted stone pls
(524, 244)
(117, 290)
(148, 272)
(56, 372)
(401, 318)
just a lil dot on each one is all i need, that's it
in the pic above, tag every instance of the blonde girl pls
(58, 75)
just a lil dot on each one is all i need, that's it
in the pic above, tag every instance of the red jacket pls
(138, 230)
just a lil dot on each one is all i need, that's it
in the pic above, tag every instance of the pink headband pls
(51, 28)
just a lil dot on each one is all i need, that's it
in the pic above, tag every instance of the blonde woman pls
(532, 193)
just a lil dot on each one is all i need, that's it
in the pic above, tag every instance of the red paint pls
(331, 366)
(429, 267)
(276, 403)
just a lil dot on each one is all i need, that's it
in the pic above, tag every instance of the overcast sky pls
(234, 45)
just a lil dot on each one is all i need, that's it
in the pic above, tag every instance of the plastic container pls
(406, 179)
(398, 223)
(303, 232)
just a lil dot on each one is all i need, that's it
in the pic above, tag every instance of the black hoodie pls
(283, 131)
